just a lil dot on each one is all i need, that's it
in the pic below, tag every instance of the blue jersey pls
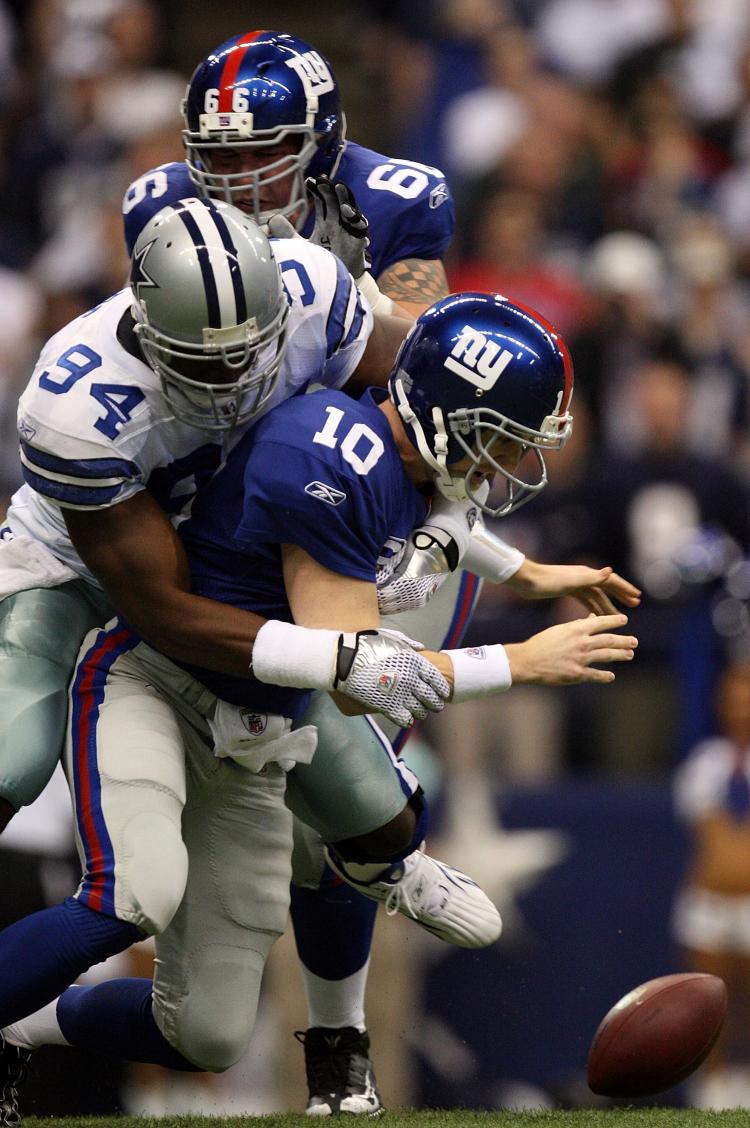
(320, 471)
(408, 206)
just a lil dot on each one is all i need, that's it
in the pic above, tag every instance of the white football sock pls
(39, 1029)
(336, 1003)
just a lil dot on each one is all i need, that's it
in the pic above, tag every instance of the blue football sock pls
(333, 927)
(44, 953)
(116, 1018)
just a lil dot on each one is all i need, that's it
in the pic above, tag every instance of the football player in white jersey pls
(178, 772)
(111, 445)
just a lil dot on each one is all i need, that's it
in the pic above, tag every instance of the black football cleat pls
(14, 1063)
(340, 1077)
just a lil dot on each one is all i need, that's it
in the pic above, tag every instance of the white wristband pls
(379, 302)
(479, 671)
(284, 654)
(489, 557)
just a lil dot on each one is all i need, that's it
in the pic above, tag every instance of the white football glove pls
(384, 671)
(430, 555)
(432, 552)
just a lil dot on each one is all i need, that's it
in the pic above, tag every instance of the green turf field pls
(589, 1118)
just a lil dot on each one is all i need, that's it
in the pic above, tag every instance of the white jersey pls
(95, 428)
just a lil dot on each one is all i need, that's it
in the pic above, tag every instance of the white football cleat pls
(441, 899)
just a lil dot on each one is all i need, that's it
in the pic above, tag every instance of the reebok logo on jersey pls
(25, 430)
(325, 493)
(438, 195)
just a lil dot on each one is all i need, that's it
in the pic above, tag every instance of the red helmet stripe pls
(557, 337)
(231, 67)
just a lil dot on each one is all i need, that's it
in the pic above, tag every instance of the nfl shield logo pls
(255, 723)
(386, 682)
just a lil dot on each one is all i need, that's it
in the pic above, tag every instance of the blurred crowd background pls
(599, 154)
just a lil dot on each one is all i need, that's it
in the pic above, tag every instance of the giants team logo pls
(254, 723)
(478, 359)
(313, 73)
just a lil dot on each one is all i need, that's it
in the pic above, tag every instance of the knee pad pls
(212, 1020)
(350, 851)
(151, 871)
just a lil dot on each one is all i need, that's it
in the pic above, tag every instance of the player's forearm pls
(202, 632)
(387, 335)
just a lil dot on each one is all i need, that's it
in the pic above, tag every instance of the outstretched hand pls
(594, 588)
(571, 652)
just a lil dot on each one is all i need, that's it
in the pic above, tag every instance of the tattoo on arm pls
(415, 281)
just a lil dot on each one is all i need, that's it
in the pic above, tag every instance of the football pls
(656, 1035)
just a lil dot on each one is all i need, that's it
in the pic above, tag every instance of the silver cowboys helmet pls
(210, 311)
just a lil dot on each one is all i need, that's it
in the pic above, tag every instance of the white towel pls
(255, 739)
(25, 564)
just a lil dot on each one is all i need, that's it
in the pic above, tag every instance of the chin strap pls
(437, 458)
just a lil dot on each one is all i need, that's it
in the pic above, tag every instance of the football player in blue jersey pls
(262, 115)
(130, 410)
(177, 771)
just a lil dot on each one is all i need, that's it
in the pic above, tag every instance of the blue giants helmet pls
(476, 368)
(252, 93)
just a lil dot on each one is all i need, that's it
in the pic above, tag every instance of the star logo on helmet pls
(138, 274)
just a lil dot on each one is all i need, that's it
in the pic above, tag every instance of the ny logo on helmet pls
(481, 360)
(313, 73)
